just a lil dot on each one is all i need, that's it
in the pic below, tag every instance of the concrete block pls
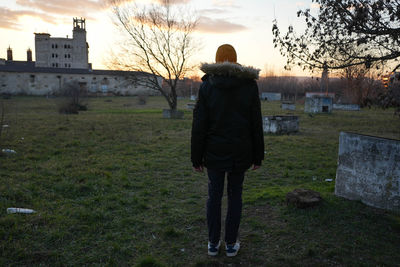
(348, 107)
(190, 105)
(369, 170)
(172, 114)
(271, 96)
(288, 106)
(281, 124)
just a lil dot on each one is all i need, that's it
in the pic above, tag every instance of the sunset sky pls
(246, 24)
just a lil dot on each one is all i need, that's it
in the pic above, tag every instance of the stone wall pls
(369, 170)
(35, 83)
(318, 104)
(281, 124)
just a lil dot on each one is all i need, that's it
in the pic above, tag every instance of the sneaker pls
(232, 249)
(213, 249)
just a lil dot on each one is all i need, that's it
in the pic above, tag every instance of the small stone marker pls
(303, 198)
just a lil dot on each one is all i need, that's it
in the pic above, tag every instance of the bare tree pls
(345, 33)
(159, 42)
(74, 98)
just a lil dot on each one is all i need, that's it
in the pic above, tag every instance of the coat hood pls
(230, 69)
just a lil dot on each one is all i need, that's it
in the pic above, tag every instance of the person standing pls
(227, 139)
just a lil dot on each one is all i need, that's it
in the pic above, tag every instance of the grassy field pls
(114, 186)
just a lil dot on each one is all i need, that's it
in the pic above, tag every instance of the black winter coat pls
(227, 129)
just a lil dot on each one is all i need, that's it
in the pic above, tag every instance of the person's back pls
(228, 98)
(227, 137)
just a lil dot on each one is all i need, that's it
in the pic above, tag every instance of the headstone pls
(303, 198)
(369, 170)
(281, 124)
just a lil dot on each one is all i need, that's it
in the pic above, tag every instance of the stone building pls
(63, 60)
(63, 52)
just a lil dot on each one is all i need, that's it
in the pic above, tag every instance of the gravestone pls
(369, 170)
(280, 124)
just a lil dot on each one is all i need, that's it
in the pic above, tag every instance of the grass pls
(114, 186)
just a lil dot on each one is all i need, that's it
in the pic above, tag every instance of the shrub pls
(75, 95)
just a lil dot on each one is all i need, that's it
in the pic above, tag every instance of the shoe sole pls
(212, 253)
(231, 254)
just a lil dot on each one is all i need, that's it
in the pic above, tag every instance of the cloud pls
(173, 2)
(75, 8)
(225, 3)
(210, 25)
(314, 6)
(212, 11)
(9, 18)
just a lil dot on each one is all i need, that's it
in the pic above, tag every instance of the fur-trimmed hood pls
(230, 69)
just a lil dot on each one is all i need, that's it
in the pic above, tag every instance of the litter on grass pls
(20, 210)
(8, 151)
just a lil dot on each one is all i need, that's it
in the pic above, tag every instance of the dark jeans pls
(215, 192)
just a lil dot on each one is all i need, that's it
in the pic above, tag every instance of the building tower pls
(80, 48)
(42, 48)
(9, 54)
(29, 55)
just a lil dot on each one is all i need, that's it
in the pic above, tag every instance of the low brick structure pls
(318, 104)
(369, 170)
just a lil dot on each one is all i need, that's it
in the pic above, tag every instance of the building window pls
(65, 46)
(69, 56)
(56, 46)
(52, 55)
(56, 55)
(65, 65)
(52, 45)
(69, 65)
